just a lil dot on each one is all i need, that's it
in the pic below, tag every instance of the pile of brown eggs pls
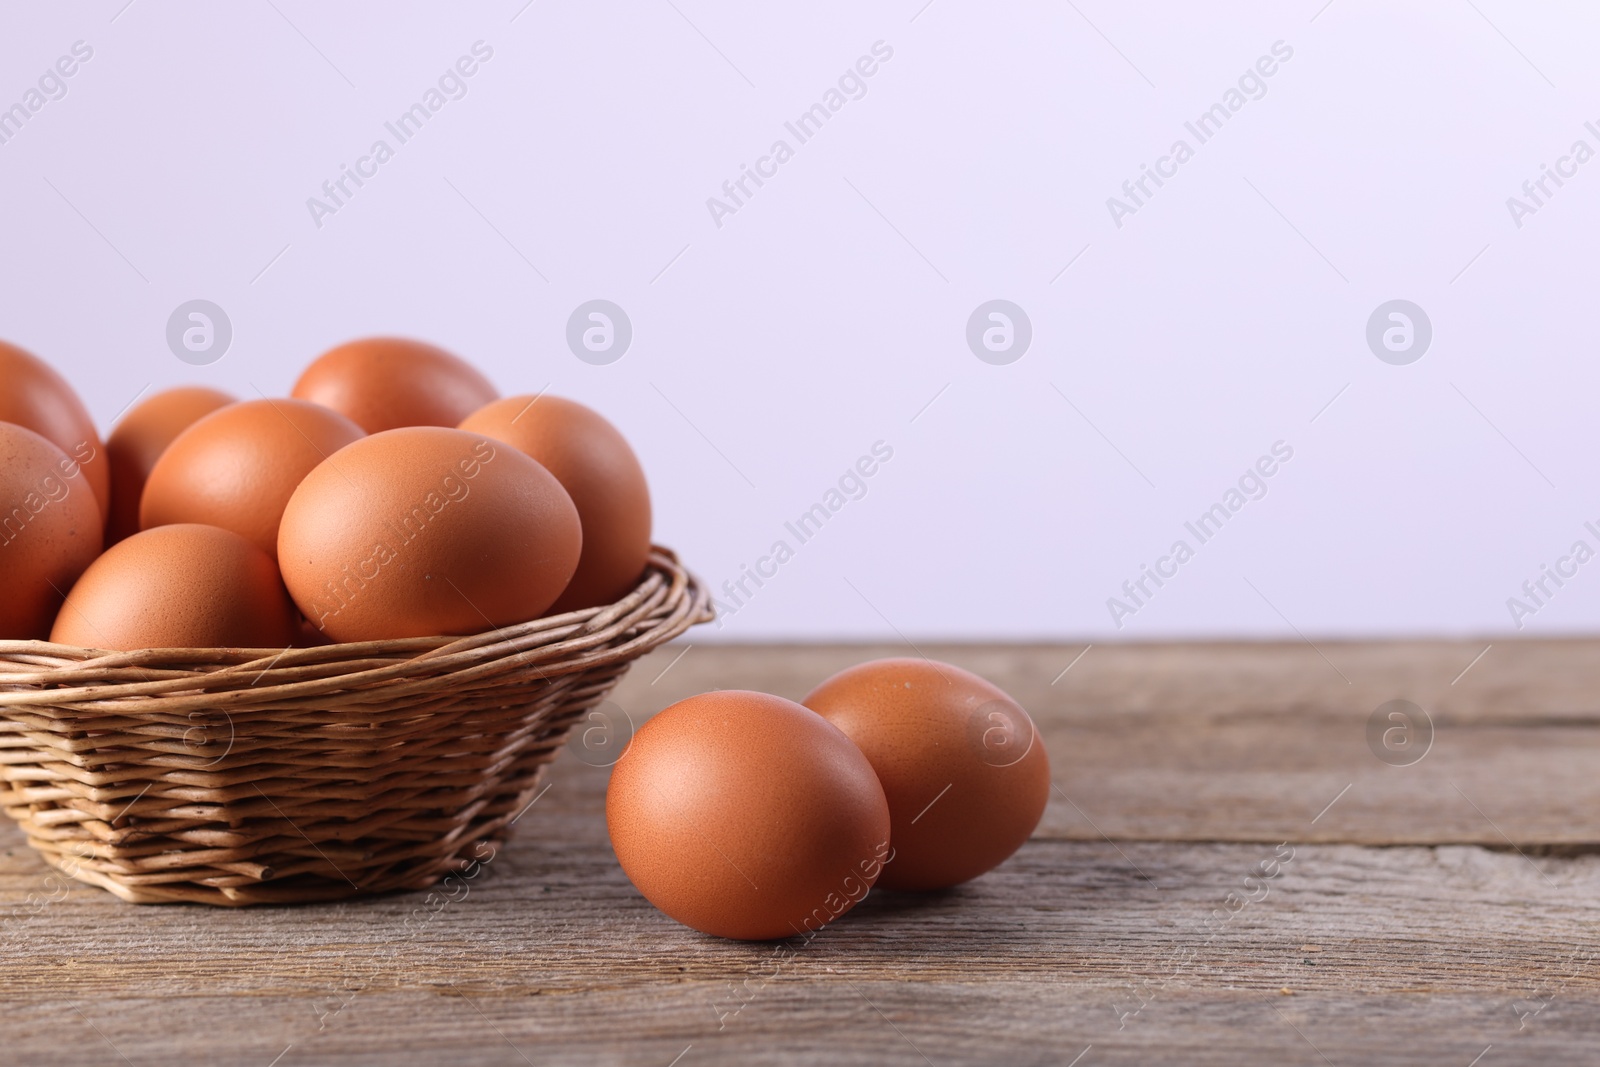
(393, 494)
(749, 816)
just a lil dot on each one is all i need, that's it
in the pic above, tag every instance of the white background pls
(827, 313)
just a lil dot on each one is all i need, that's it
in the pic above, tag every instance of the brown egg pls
(33, 395)
(383, 383)
(963, 767)
(744, 815)
(185, 586)
(427, 531)
(138, 441)
(237, 467)
(49, 531)
(593, 462)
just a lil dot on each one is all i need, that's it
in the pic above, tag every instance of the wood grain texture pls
(1251, 742)
(1214, 922)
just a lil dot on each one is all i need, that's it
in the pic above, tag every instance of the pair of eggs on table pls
(749, 816)
(394, 495)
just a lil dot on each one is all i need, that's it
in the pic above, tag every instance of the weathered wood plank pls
(1152, 947)
(1233, 742)
(1070, 944)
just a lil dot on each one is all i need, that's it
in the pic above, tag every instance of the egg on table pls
(747, 816)
(961, 763)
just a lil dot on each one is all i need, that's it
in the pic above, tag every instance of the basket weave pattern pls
(229, 776)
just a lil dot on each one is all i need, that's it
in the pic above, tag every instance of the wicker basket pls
(230, 776)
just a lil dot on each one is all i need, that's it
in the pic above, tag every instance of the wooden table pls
(1226, 874)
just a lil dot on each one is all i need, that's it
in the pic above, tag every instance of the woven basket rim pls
(44, 674)
(343, 769)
